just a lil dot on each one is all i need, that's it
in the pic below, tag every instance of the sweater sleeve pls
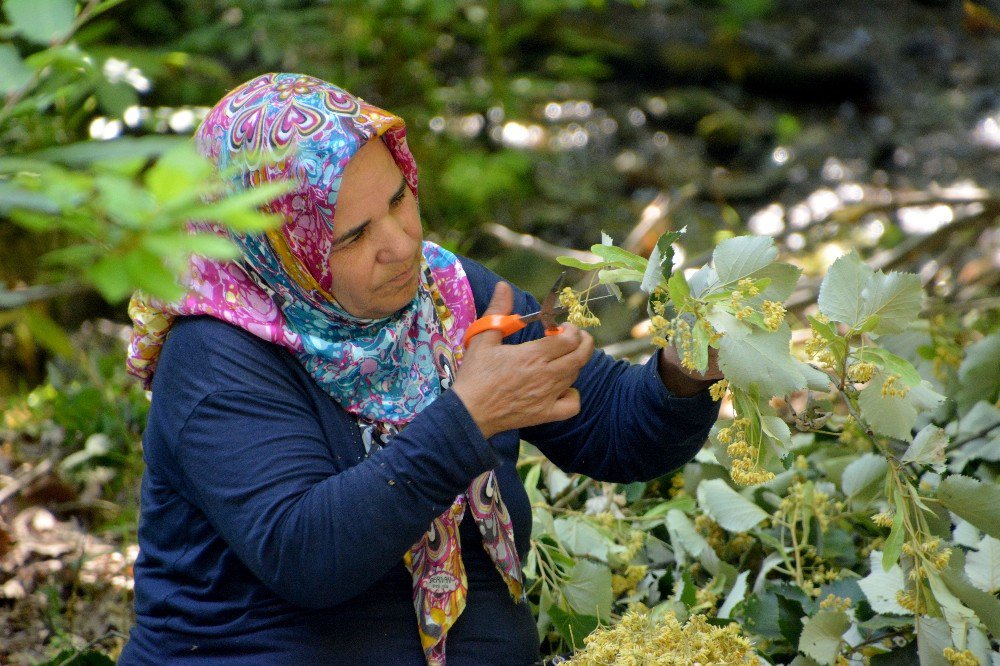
(630, 426)
(257, 463)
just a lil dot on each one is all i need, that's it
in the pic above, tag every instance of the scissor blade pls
(558, 309)
(548, 311)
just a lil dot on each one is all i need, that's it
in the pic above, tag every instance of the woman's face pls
(375, 262)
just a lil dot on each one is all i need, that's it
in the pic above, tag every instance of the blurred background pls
(537, 124)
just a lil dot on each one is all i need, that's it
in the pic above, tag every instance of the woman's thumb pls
(503, 300)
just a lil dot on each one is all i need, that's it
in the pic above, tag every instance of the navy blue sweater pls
(267, 536)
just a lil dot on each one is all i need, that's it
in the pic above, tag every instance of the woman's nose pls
(395, 244)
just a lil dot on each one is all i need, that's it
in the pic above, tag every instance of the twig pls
(982, 433)
(23, 481)
(512, 238)
(568, 498)
(18, 298)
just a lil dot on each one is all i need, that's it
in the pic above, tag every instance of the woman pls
(317, 433)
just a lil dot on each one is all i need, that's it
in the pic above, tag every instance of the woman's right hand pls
(515, 386)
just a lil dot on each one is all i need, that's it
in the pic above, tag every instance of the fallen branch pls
(25, 479)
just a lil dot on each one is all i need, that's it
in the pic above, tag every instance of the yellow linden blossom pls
(861, 372)
(744, 469)
(579, 314)
(638, 639)
(910, 603)
(774, 315)
(963, 658)
(626, 584)
(890, 388)
(747, 286)
(882, 519)
(718, 389)
(833, 602)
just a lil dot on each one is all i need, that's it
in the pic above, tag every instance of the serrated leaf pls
(612, 275)
(880, 587)
(777, 430)
(973, 500)
(781, 280)
(41, 21)
(863, 479)
(727, 507)
(606, 239)
(856, 295)
(760, 358)
(588, 589)
(652, 276)
(742, 257)
(887, 415)
(840, 292)
(928, 448)
(979, 373)
(982, 565)
(820, 638)
(985, 605)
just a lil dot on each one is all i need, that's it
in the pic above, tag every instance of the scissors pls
(512, 323)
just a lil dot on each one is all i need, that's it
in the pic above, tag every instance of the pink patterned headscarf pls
(290, 126)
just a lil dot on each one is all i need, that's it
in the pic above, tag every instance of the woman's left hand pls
(683, 382)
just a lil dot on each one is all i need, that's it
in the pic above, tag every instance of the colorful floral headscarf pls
(289, 126)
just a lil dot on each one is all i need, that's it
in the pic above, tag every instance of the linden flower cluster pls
(928, 554)
(579, 314)
(626, 584)
(833, 602)
(911, 602)
(639, 640)
(774, 315)
(963, 658)
(744, 470)
(861, 372)
(729, 549)
(718, 389)
(793, 507)
(892, 389)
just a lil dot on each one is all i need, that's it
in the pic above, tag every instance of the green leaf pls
(727, 507)
(573, 262)
(735, 596)
(928, 448)
(880, 587)
(689, 591)
(14, 74)
(678, 289)
(979, 373)
(887, 415)
(821, 634)
(683, 536)
(742, 257)
(982, 565)
(108, 278)
(781, 278)
(891, 364)
(582, 538)
(653, 275)
(777, 430)
(41, 21)
(620, 257)
(48, 333)
(790, 614)
(118, 150)
(986, 606)
(612, 275)
(572, 627)
(14, 198)
(588, 589)
(148, 272)
(177, 172)
(761, 358)
(699, 346)
(178, 245)
(853, 293)
(125, 202)
(932, 639)
(894, 544)
(864, 478)
(973, 500)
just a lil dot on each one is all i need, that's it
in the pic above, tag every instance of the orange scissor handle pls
(554, 331)
(506, 324)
